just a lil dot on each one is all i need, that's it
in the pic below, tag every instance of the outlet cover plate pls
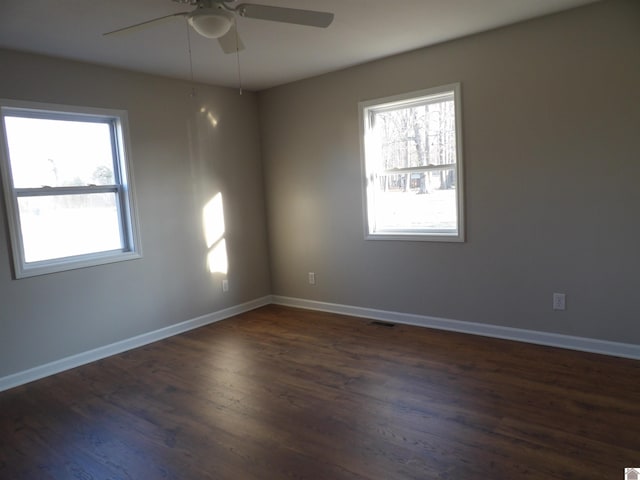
(559, 301)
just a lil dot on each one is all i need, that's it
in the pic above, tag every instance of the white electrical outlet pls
(559, 301)
(312, 278)
(225, 285)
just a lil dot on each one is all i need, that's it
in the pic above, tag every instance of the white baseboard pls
(83, 358)
(625, 350)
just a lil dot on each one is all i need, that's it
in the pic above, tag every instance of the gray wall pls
(179, 161)
(551, 117)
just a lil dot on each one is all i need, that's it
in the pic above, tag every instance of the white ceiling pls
(275, 53)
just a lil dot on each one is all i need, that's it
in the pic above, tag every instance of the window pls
(67, 187)
(412, 165)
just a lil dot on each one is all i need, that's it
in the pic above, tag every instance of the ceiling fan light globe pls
(210, 22)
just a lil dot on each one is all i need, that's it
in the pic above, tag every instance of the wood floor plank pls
(282, 393)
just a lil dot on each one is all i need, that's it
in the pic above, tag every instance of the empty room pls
(319, 239)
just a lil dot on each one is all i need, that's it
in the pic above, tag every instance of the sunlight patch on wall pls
(217, 260)
(214, 230)
(213, 220)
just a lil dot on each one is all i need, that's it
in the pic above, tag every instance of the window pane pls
(402, 208)
(67, 225)
(413, 183)
(418, 135)
(415, 136)
(59, 153)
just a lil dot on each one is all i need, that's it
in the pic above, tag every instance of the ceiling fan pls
(216, 19)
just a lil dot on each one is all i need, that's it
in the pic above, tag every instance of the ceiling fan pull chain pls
(238, 57)
(193, 89)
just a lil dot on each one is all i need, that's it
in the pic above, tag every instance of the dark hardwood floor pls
(280, 393)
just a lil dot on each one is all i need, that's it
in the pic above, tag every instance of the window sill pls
(416, 237)
(73, 263)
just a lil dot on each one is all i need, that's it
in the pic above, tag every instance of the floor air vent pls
(382, 324)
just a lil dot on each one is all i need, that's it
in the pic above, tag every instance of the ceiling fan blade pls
(288, 15)
(141, 25)
(231, 42)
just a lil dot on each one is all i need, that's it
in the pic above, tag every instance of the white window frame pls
(371, 169)
(122, 187)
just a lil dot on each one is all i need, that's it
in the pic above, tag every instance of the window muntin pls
(412, 166)
(67, 186)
